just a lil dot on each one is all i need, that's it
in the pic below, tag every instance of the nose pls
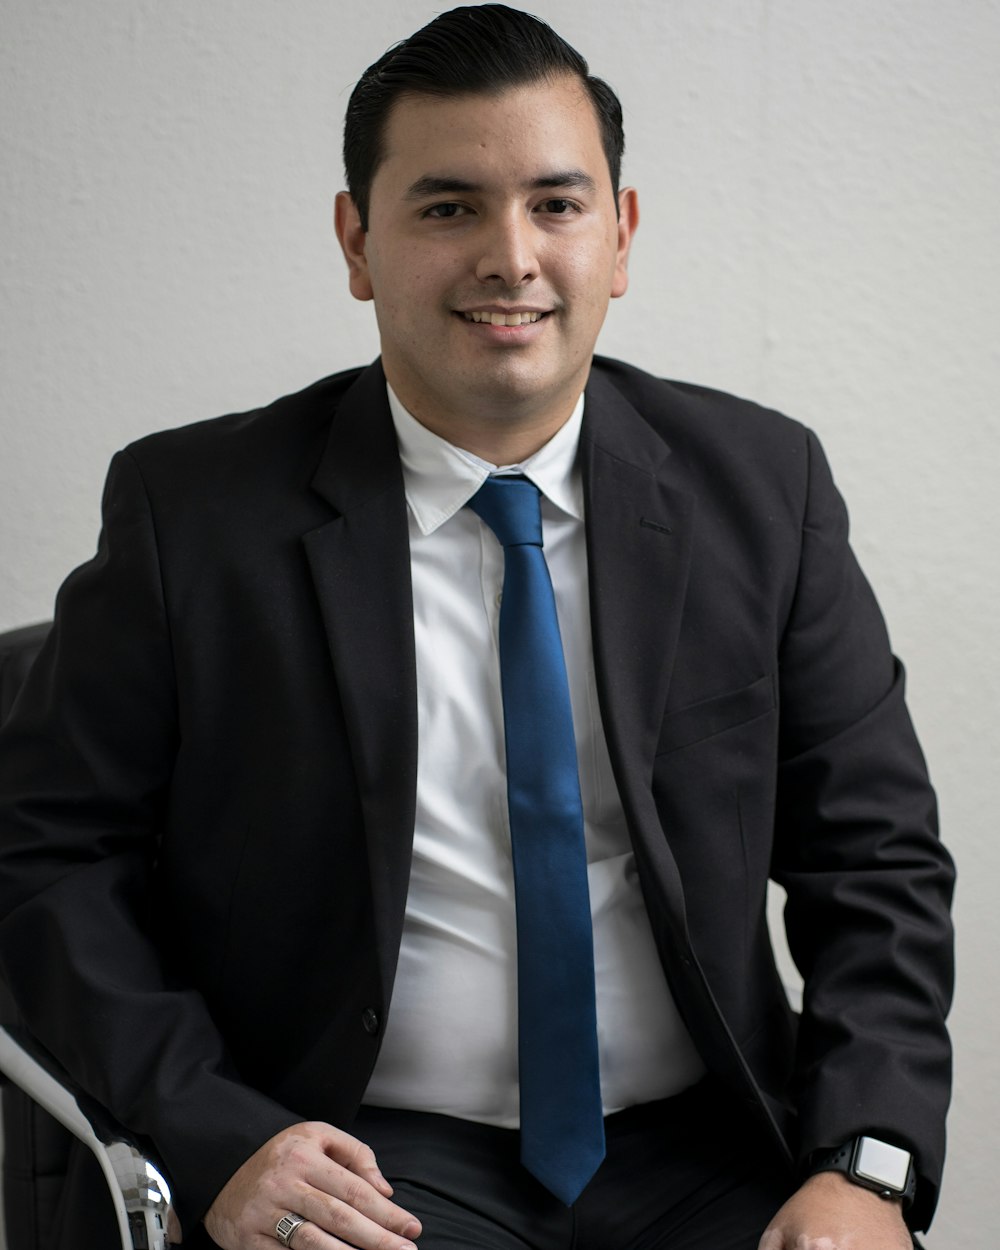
(508, 253)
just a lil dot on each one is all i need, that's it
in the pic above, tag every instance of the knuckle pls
(338, 1218)
(357, 1155)
(364, 1154)
(355, 1193)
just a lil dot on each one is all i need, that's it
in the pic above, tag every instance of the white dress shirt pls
(451, 1037)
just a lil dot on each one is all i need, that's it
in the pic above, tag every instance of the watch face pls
(881, 1163)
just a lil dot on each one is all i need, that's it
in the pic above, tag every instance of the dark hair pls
(478, 49)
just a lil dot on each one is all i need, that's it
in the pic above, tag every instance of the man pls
(236, 854)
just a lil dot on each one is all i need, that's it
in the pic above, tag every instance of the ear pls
(352, 238)
(628, 223)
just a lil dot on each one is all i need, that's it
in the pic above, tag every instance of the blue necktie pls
(562, 1127)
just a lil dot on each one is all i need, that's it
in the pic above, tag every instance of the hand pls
(829, 1212)
(321, 1173)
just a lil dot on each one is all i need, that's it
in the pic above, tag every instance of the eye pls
(559, 207)
(444, 212)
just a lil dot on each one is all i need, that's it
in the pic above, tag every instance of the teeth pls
(503, 319)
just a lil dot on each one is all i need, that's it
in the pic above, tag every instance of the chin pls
(513, 384)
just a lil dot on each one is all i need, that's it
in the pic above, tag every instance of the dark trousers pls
(686, 1173)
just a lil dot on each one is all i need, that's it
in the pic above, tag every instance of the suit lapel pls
(638, 549)
(361, 570)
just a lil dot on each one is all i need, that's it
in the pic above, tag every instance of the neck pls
(495, 445)
(500, 436)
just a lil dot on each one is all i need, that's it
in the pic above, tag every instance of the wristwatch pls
(874, 1164)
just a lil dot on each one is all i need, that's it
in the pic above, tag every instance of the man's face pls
(490, 209)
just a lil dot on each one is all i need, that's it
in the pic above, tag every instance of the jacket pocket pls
(713, 716)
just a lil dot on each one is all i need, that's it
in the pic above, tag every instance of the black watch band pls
(874, 1164)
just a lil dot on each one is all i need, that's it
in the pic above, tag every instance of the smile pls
(503, 319)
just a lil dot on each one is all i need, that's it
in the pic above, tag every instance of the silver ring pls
(285, 1228)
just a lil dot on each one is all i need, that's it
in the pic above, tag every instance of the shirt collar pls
(440, 478)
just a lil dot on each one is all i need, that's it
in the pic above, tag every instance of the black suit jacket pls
(207, 788)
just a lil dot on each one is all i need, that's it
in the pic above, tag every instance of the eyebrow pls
(559, 179)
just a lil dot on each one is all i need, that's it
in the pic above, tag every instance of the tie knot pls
(511, 507)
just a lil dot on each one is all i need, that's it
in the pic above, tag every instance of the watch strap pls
(843, 1159)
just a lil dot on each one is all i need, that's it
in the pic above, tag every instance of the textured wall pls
(820, 186)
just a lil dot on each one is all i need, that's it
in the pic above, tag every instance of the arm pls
(868, 882)
(85, 780)
(84, 776)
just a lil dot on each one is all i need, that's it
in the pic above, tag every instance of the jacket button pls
(370, 1021)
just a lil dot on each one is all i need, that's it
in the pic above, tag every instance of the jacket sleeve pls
(857, 850)
(85, 770)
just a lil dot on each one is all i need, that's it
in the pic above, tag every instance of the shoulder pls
(725, 443)
(284, 436)
(236, 480)
(685, 411)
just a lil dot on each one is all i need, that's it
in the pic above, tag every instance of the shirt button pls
(370, 1021)
(499, 599)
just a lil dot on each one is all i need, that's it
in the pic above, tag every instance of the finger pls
(341, 1227)
(332, 1189)
(357, 1157)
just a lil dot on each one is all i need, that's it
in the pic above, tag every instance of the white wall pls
(820, 185)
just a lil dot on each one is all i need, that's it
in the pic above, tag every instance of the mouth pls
(488, 317)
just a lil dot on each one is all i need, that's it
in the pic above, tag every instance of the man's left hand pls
(831, 1213)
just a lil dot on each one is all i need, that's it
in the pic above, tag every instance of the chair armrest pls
(139, 1191)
